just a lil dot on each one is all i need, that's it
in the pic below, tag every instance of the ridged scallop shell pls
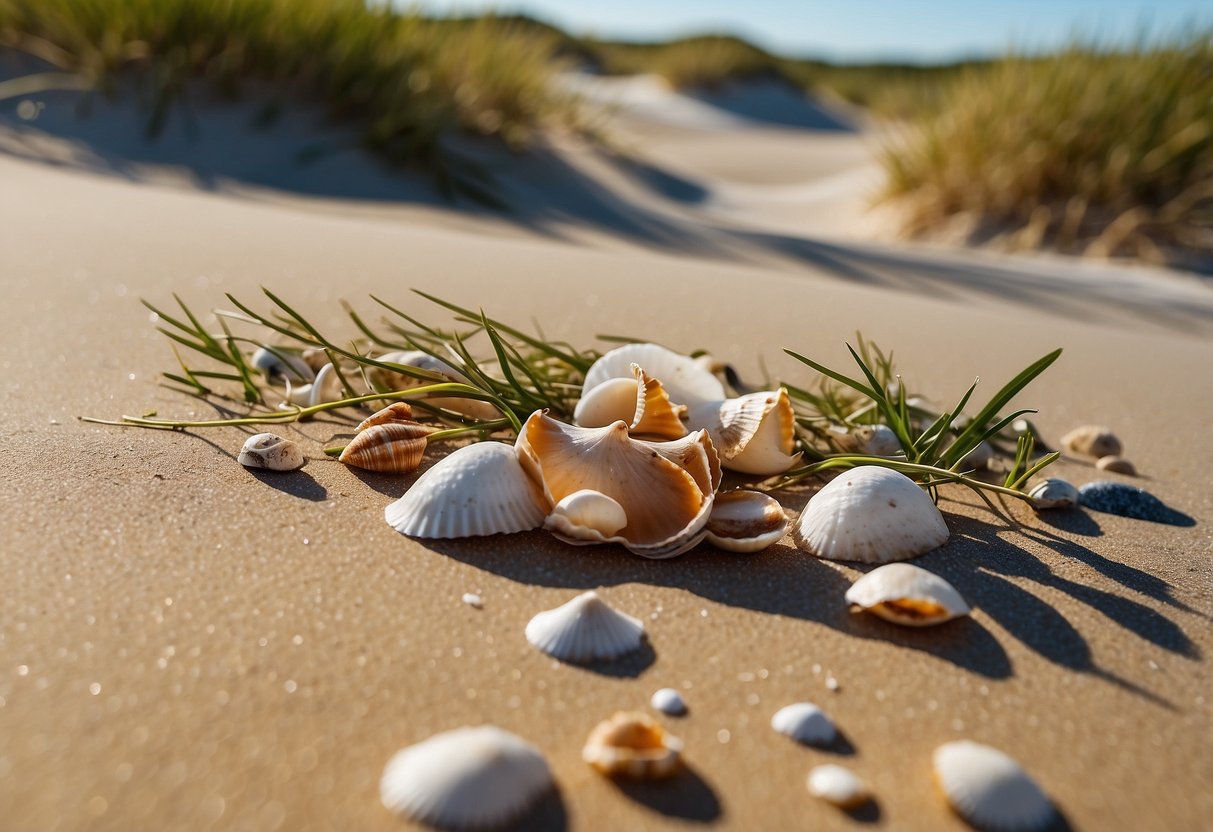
(477, 490)
(1117, 465)
(805, 723)
(278, 365)
(906, 594)
(870, 514)
(417, 359)
(665, 489)
(745, 521)
(685, 380)
(585, 629)
(668, 701)
(272, 452)
(469, 778)
(633, 745)
(1053, 493)
(641, 402)
(1092, 440)
(754, 434)
(839, 786)
(989, 789)
(389, 447)
(586, 517)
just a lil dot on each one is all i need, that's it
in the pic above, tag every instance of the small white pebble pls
(832, 683)
(669, 701)
(473, 600)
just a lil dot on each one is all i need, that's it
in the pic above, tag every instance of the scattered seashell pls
(665, 489)
(632, 744)
(584, 630)
(745, 521)
(1117, 465)
(979, 458)
(479, 489)
(989, 789)
(326, 387)
(839, 786)
(640, 401)
(389, 447)
(397, 412)
(586, 516)
(906, 594)
(1092, 440)
(468, 778)
(669, 701)
(418, 360)
(473, 600)
(685, 380)
(278, 365)
(1053, 492)
(754, 434)
(270, 451)
(806, 723)
(1128, 501)
(874, 440)
(870, 514)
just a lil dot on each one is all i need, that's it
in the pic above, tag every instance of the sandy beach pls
(187, 644)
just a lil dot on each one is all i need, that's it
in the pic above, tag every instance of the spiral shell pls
(390, 447)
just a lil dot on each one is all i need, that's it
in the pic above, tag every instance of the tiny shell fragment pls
(804, 722)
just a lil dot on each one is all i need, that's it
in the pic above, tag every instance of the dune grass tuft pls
(1106, 153)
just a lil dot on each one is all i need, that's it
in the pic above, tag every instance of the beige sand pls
(185, 644)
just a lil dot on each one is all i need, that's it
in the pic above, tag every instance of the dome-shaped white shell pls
(908, 595)
(804, 722)
(586, 516)
(989, 789)
(469, 778)
(839, 786)
(745, 521)
(1053, 492)
(685, 380)
(477, 490)
(870, 514)
(270, 451)
(585, 629)
(668, 701)
(876, 440)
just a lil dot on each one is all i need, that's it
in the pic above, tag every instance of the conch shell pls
(753, 434)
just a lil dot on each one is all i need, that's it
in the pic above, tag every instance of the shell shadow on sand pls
(685, 796)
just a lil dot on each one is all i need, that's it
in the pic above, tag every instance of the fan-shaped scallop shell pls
(1053, 492)
(1092, 440)
(870, 514)
(685, 380)
(270, 451)
(641, 402)
(465, 779)
(585, 629)
(906, 594)
(804, 722)
(839, 786)
(664, 488)
(633, 745)
(745, 521)
(389, 447)
(989, 789)
(754, 434)
(477, 490)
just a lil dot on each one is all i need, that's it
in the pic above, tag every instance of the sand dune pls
(188, 645)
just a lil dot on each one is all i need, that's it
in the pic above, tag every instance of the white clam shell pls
(870, 514)
(685, 380)
(805, 723)
(668, 701)
(477, 490)
(278, 364)
(908, 595)
(839, 786)
(584, 630)
(754, 434)
(272, 452)
(586, 517)
(1053, 492)
(468, 778)
(989, 789)
(745, 521)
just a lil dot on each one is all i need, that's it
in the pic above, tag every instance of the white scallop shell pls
(908, 595)
(804, 722)
(477, 490)
(745, 521)
(839, 786)
(1092, 440)
(584, 630)
(586, 516)
(668, 701)
(468, 778)
(1053, 493)
(278, 364)
(754, 434)
(989, 789)
(685, 380)
(870, 514)
(270, 451)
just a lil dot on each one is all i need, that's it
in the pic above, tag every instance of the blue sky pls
(859, 30)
